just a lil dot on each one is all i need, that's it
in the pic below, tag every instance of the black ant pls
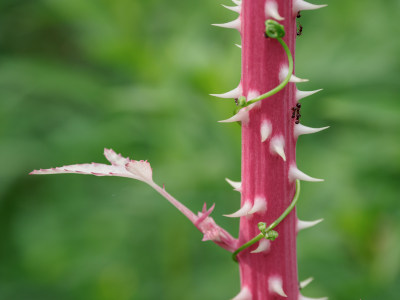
(296, 113)
(299, 32)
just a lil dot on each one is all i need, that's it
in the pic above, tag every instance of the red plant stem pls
(265, 173)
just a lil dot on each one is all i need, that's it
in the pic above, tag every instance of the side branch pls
(142, 171)
(202, 221)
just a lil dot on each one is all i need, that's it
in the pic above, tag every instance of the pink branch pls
(141, 170)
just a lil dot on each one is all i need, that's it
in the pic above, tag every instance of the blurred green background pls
(77, 76)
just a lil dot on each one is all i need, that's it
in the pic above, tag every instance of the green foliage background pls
(77, 76)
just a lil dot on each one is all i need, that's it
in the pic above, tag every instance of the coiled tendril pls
(274, 30)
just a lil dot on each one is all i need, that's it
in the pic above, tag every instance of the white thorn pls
(302, 94)
(284, 72)
(237, 185)
(235, 24)
(301, 129)
(305, 282)
(301, 297)
(251, 95)
(306, 224)
(275, 285)
(241, 116)
(260, 205)
(271, 11)
(237, 2)
(277, 146)
(295, 173)
(239, 46)
(235, 93)
(296, 79)
(244, 294)
(266, 129)
(263, 246)
(241, 212)
(254, 105)
(299, 5)
(233, 8)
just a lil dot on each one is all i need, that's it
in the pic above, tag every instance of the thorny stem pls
(265, 233)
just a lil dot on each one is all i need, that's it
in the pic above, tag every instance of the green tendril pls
(268, 232)
(283, 83)
(276, 31)
(241, 101)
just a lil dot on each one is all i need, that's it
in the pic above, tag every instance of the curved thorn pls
(300, 129)
(237, 2)
(239, 46)
(302, 94)
(241, 116)
(299, 5)
(260, 205)
(277, 146)
(263, 246)
(236, 9)
(235, 24)
(296, 79)
(252, 94)
(275, 285)
(241, 212)
(237, 185)
(301, 297)
(244, 294)
(295, 173)
(306, 224)
(271, 11)
(305, 282)
(266, 129)
(284, 72)
(235, 93)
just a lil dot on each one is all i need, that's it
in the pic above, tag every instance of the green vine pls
(276, 31)
(268, 232)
